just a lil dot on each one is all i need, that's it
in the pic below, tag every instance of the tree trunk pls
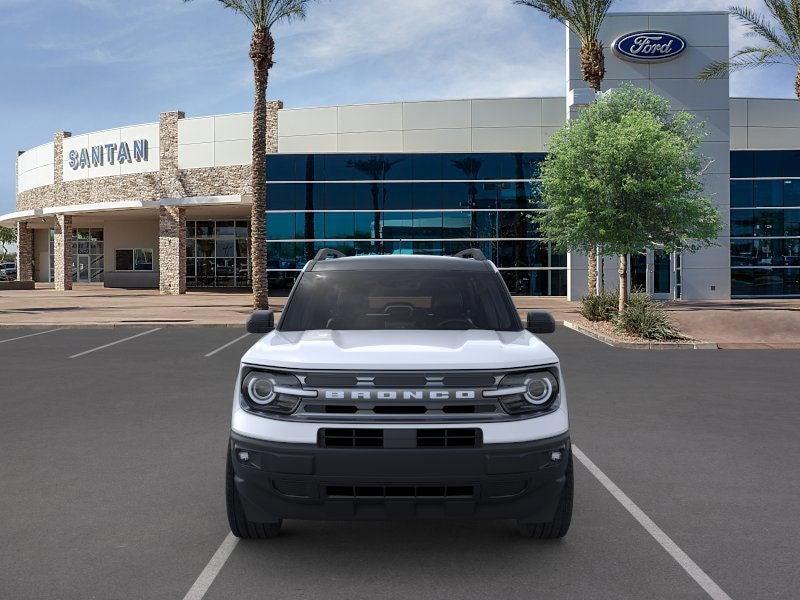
(623, 282)
(601, 274)
(797, 84)
(593, 64)
(262, 47)
(592, 272)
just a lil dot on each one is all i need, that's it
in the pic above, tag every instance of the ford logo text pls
(649, 46)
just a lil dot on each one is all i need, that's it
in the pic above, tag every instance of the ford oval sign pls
(649, 46)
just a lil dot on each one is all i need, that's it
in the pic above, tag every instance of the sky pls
(86, 65)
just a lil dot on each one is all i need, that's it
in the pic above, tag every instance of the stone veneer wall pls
(24, 252)
(172, 250)
(62, 250)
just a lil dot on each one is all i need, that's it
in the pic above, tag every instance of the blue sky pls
(84, 65)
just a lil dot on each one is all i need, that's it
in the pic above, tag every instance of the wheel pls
(558, 527)
(241, 527)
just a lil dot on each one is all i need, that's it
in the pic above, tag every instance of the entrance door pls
(650, 272)
(83, 268)
(638, 268)
(662, 270)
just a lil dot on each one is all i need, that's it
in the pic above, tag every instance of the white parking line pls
(22, 337)
(688, 565)
(84, 353)
(231, 343)
(214, 566)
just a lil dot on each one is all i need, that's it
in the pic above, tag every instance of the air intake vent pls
(351, 438)
(448, 438)
(433, 492)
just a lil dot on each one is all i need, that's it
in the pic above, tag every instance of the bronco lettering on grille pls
(400, 394)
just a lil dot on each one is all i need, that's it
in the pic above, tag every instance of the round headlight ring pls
(538, 389)
(261, 389)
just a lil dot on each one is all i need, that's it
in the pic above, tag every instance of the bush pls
(602, 307)
(644, 317)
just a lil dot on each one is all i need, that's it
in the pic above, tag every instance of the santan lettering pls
(97, 156)
(645, 44)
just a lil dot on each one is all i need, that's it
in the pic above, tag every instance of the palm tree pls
(263, 15)
(584, 19)
(778, 35)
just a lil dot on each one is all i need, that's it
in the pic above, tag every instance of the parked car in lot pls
(399, 387)
(8, 271)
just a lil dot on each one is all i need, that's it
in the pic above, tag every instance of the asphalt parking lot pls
(112, 481)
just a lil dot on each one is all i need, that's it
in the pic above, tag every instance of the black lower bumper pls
(498, 481)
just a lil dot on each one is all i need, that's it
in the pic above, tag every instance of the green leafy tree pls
(778, 40)
(8, 236)
(626, 174)
(584, 19)
(263, 15)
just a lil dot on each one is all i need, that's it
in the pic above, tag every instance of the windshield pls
(396, 299)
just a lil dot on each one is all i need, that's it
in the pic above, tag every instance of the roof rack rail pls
(471, 253)
(326, 253)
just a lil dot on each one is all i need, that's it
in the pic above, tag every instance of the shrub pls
(644, 317)
(601, 307)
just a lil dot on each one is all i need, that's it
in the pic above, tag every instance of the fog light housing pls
(243, 456)
(555, 455)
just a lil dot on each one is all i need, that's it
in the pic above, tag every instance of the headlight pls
(527, 392)
(271, 392)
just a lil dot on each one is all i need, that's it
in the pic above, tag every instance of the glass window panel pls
(791, 222)
(280, 284)
(526, 283)
(340, 167)
(123, 260)
(458, 225)
(281, 255)
(742, 164)
(339, 196)
(742, 194)
(471, 166)
(242, 272)
(397, 225)
(457, 195)
(242, 248)
(282, 167)
(484, 195)
(283, 196)
(367, 195)
(426, 166)
(396, 196)
(742, 223)
(527, 164)
(765, 282)
(83, 247)
(790, 165)
(791, 192)
(485, 223)
(190, 229)
(242, 229)
(339, 225)
(427, 225)
(280, 226)
(557, 259)
(226, 248)
(205, 247)
(768, 193)
(366, 248)
(768, 222)
(226, 229)
(204, 229)
(426, 195)
(305, 226)
(515, 195)
(311, 196)
(768, 163)
(365, 225)
(143, 260)
(374, 167)
(190, 272)
(513, 224)
(558, 282)
(226, 267)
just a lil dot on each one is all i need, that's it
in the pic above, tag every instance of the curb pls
(640, 345)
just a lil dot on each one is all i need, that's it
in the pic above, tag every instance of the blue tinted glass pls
(426, 195)
(281, 167)
(484, 195)
(456, 195)
(283, 196)
(527, 283)
(742, 164)
(557, 259)
(528, 164)
(398, 196)
(310, 167)
(768, 193)
(305, 226)
(365, 225)
(791, 222)
(367, 196)
(339, 167)
(485, 224)
(339, 225)
(398, 166)
(742, 223)
(397, 225)
(428, 248)
(426, 166)
(362, 248)
(372, 167)
(458, 225)
(515, 195)
(768, 163)
(281, 255)
(791, 192)
(768, 222)
(280, 226)
(427, 225)
(312, 196)
(765, 282)
(791, 163)
(558, 282)
(741, 194)
(339, 196)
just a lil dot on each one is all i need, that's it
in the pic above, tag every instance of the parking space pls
(112, 481)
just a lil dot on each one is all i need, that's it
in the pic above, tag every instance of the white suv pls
(399, 387)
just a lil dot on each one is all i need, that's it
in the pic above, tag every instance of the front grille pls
(400, 438)
(432, 492)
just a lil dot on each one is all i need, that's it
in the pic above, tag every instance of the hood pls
(399, 350)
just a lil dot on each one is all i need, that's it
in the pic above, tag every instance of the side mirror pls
(540, 322)
(261, 321)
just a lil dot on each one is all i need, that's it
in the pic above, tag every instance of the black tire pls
(241, 527)
(558, 527)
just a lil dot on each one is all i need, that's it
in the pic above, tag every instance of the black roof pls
(400, 262)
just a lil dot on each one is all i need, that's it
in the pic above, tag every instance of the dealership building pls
(167, 204)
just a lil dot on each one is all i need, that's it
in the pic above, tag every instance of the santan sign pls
(649, 46)
(97, 156)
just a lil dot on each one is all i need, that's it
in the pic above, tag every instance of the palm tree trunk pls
(592, 277)
(797, 84)
(623, 282)
(261, 52)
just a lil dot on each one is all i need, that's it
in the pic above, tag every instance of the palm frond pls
(787, 14)
(745, 58)
(583, 17)
(759, 26)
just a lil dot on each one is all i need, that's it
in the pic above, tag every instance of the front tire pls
(558, 527)
(241, 527)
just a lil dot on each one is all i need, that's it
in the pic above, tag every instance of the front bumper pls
(303, 481)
